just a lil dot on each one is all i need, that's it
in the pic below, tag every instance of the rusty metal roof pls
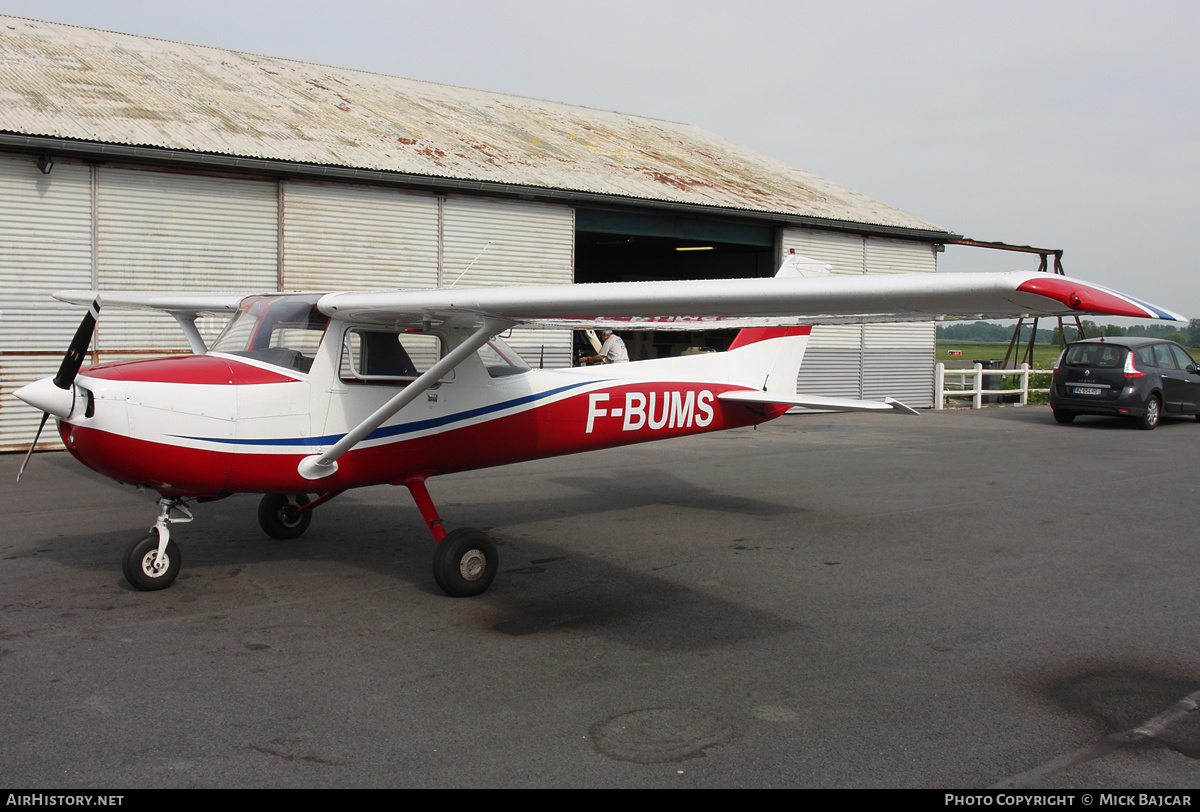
(70, 82)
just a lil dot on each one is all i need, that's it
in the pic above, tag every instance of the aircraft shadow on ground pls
(543, 587)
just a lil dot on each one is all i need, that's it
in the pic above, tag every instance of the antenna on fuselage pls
(464, 273)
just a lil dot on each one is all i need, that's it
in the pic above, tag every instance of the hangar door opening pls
(616, 246)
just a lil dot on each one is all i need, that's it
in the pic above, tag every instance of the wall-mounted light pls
(45, 163)
(695, 247)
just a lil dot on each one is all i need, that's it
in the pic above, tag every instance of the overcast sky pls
(1072, 125)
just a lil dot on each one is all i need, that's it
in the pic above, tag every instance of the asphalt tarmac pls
(960, 599)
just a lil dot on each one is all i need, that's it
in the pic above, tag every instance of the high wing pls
(183, 303)
(700, 304)
(722, 303)
(183, 307)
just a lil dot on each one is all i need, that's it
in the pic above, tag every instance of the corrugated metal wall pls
(361, 237)
(45, 245)
(132, 228)
(512, 243)
(876, 360)
(898, 358)
(833, 362)
(188, 232)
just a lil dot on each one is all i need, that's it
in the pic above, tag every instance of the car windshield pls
(281, 330)
(1098, 356)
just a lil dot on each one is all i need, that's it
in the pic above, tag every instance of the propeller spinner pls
(56, 396)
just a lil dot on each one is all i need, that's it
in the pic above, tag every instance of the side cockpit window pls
(283, 331)
(501, 360)
(386, 357)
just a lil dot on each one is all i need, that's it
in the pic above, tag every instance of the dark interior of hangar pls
(613, 246)
(622, 247)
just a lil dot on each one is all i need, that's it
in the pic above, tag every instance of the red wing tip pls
(1092, 299)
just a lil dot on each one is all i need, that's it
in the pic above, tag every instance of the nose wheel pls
(152, 562)
(146, 568)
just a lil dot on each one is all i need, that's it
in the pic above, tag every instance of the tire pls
(1151, 414)
(1063, 416)
(465, 563)
(276, 516)
(139, 559)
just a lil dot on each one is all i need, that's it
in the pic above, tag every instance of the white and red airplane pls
(315, 394)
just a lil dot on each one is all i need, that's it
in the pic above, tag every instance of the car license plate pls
(1087, 390)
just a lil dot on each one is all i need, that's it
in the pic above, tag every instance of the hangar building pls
(133, 162)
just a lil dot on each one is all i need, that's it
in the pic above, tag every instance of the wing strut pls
(187, 323)
(318, 466)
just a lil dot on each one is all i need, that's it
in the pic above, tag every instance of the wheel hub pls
(472, 565)
(153, 566)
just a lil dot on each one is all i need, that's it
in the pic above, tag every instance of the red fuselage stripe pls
(620, 415)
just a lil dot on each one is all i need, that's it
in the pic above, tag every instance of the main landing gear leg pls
(465, 560)
(153, 561)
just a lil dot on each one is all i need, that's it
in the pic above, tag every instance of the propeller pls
(56, 396)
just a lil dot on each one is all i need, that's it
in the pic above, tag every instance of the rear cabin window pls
(385, 357)
(1098, 356)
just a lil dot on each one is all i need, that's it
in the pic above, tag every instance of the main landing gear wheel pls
(465, 563)
(144, 570)
(277, 516)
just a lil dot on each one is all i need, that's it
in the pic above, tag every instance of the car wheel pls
(1150, 414)
(1063, 416)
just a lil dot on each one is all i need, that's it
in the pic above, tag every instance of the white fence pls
(976, 391)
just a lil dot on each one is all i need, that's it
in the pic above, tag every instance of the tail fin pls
(780, 360)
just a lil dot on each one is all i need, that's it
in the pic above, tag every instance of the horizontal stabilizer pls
(817, 402)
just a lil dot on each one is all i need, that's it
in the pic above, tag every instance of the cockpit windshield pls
(281, 330)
